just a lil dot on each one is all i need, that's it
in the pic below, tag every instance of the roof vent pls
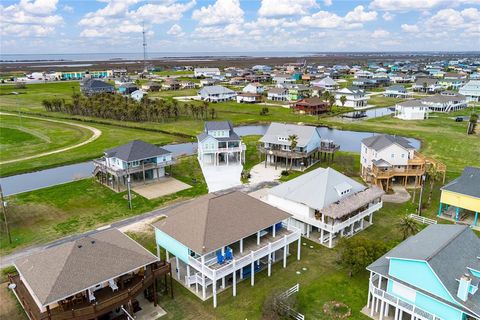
(92, 242)
(79, 246)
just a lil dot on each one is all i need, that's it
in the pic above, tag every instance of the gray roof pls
(398, 88)
(216, 90)
(276, 130)
(278, 91)
(411, 103)
(428, 81)
(382, 141)
(64, 270)
(441, 98)
(95, 84)
(213, 221)
(327, 81)
(219, 125)
(448, 249)
(136, 150)
(317, 189)
(468, 183)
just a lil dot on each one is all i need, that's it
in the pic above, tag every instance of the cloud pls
(405, 5)
(380, 34)
(387, 16)
(279, 8)
(410, 28)
(327, 3)
(68, 8)
(360, 15)
(117, 17)
(221, 12)
(30, 18)
(176, 30)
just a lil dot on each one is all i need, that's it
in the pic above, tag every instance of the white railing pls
(399, 303)
(422, 219)
(284, 295)
(246, 260)
(342, 225)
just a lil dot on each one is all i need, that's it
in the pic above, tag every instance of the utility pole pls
(4, 210)
(129, 193)
(421, 193)
(144, 49)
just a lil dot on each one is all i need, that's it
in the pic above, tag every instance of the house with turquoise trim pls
(219, 240)
(433, 275)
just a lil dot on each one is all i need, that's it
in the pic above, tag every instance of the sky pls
(89, 26)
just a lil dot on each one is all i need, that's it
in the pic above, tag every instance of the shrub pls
(285, 173)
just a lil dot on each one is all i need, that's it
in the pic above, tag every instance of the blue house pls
(433, 275)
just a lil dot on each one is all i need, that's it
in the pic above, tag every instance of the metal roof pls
(317, 189)
(136, 150)
(382, 141)
(284, 130)
(468, 183)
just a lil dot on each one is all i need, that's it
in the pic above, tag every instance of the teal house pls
(433, 275)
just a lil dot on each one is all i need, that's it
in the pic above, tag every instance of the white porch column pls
(274, 256)
(168, 255)
(321, 235)
(387, 308)
(382, 306)
(273, 230)
(370, 218)
(158, 252)
(269, 259)
(330, 240)
(361, 223)
(204, 293)
(285, 252)
(252, 276)
(214, 289)
(396, 314)
(178, 268)
(188, 272)
(241, 245)
(413, 316)
(373, 306)
(369, 292)
(308, 231)
(352, 228)
(299, 246)
(234, 284)
(379, 281)
(258, 238)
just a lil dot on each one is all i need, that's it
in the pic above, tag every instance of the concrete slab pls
(400, 195)
(260, 174)
(222, 177)
(149, 311)
(163, 187)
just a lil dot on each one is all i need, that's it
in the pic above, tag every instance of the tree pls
(357, 253)
(293, 139)
(433, 176)
(472, 123)
(343, 99)
(331, 101)
(408, 226)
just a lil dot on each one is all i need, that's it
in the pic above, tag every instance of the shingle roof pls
(316, 189)
(468, 183)
(136, 150)
(411, 103)
(95, 84)
(448, 249)
(212, 221)
(64, 270)
(382, 141)
(216, 90)
(284, 130)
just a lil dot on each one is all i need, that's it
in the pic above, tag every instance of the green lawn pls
(380, 100)
(173, 93)
(47, 214)
(20, 136)
(166, 73)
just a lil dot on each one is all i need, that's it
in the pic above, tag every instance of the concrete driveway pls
(400, 195)
(222, 177)
(160, 188)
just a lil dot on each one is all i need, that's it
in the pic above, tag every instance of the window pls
(403, 155)
(393, 155)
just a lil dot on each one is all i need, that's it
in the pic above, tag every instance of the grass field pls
(380, 100)
(47, 214)
(20, 136)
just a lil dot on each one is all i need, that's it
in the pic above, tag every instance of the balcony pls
(106, 299)
(283, 153)
(101, 164)
(251, 252)
(392, 172)
(378, 292)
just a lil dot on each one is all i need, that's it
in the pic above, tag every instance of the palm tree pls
(408, 226)
(331, 101)
(293, 144)
(433, 176)
(343, 99)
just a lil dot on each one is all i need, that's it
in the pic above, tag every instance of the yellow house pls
(460, 199)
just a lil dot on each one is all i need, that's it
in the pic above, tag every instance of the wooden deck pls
(106, 299)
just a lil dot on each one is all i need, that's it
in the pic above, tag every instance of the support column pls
(382, 306)
(299, 246)
(168, 255)
(370, 218)
(158, 252)
(396, 314)
(241, 245)
(475, 220)
(269, 262)
(234, 282)
(188, 274)
(204, 293)
(285, 252)
(273, 230)
(440, 210)
(177, 267)
(457, 213)
(214, 289)
(330, 240)
(252, 275)
(372, 308)
(321, 235)
(308, 231)
(258, 238)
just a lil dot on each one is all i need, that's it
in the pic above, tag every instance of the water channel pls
(348, 141)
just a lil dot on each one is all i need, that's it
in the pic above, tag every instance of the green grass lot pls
(173, 93)
(20, 136)
(47, 214)
(380, 100)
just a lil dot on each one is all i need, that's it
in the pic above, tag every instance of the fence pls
(279, 301)
(422, 219)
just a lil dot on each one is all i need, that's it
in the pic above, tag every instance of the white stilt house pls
(219, 240)
(326, 205)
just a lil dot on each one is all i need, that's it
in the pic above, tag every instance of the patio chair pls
(220, 258)
(278, 226)
(228, 254)
(113, 285)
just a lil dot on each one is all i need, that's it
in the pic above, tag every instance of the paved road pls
(96, 134)
(7, 260)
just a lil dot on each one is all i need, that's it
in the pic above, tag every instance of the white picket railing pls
(248, 259)
(399, 303)
(422, 219)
